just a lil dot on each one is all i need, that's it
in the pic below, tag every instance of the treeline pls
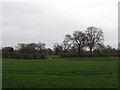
(78, 44)
(25, 51)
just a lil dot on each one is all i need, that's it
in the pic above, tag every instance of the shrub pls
(87, 54)
(19, 55)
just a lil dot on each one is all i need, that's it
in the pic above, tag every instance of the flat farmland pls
(84, 72)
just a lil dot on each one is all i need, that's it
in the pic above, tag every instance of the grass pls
(94, 72)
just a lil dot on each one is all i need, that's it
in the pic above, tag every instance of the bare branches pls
(94, 37)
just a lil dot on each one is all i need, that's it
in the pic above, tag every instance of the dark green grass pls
(94, 72)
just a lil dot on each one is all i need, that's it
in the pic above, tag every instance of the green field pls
(91, 72)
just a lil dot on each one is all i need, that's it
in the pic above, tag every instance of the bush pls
(86, 54)
(19, 55)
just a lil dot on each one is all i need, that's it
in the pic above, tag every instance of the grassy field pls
(94, 72)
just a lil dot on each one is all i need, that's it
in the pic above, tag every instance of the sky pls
(48, 21)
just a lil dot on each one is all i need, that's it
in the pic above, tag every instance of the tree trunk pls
(79, 50)
(90, 50)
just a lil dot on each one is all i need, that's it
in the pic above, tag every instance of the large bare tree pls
(94, 37)
(80, 38)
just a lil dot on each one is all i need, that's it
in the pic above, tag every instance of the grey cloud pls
(49, 21)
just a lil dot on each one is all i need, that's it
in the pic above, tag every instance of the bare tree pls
(67, 43)
(31, 47)
(94, 37)
(41, 46)
(21, 47)
(80, 38)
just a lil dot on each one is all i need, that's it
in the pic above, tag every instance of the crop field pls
(85, 72)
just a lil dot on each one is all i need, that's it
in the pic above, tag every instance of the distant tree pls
(109, 47)
(99, 49)
(67, 43)
(80, 39)
(41, 47)
(27, 48)
(31, 47)
(21, 47)
(7, 52)
(7, 49)
(94, 37)
(57, 48)
(30, 50)
(110, 50)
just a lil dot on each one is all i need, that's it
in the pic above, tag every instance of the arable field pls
(91, 72)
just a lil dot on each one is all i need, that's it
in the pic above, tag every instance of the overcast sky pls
(49, 20)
